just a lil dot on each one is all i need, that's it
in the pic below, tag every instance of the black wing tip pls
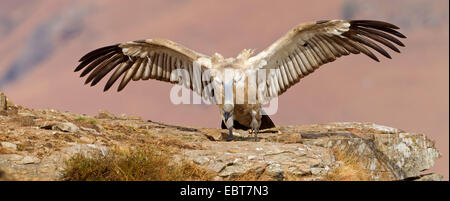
(95, 81)
(399, 43)
(120, 88)
(374, 23)
(384, 27)
(80, 66)
(86, 82)
(108, 85)
(84, 73)
(381, 25)
(101, 49)
(387, 55)
(396, 33)
(77, 69)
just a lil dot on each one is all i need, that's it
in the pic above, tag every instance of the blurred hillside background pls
(42, 40)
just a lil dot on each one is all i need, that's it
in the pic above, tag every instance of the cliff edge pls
(37, 145)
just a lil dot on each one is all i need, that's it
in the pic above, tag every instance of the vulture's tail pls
(266, 123)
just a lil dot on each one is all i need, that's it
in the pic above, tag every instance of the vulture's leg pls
(230, 134)
(256, 131)
(254, 124)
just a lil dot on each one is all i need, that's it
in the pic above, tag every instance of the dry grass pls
(350, 170)
(86, 122)
(142, 164)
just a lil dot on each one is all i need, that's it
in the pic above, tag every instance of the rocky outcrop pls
(307, 152)
(34, 145)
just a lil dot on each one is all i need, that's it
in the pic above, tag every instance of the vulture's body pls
(297, 54)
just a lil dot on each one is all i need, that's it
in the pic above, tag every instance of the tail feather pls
(266, 122)
(236, 125)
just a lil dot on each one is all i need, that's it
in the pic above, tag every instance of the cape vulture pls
(266, 75)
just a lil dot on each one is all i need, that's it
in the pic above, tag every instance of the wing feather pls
(136, 60)
(101, 66)
(141, 62)
(106, 70)
(119, 71)
(310, 45)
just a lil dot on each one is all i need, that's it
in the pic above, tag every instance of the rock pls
(387, 153)
(241, 134)
(26, 114)
(214, 134)
(319, 171)
(302, 152)
(10, 157)
(19, 159)
(383, 152)
(9, 145)
(87, 150)
(429, 177)
(67, 127)
(235, 169)
(103, 114)
(235, 159)
(128, 117)
(86, 140)
(29, 160)
(61, 126)
(275, 171)
(217, 167)
(89, 130)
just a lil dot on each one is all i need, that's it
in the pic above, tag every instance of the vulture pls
(259, 77)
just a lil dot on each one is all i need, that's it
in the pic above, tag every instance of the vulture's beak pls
(226, 115)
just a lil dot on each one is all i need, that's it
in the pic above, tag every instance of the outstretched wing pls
(310, 45)
(143, 60)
